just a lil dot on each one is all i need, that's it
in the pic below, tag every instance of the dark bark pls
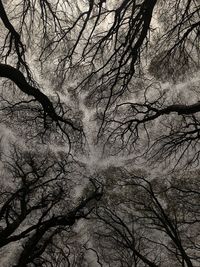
(7, 71)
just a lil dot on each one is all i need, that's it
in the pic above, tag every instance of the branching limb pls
(9, 72)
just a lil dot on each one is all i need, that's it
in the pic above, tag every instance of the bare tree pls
(154, 223)
(74, 37)
(62, 60)
(36, 204)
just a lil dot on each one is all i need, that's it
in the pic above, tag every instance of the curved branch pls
(7, 71)
(14, 39)
(7, 23)
(181, 109)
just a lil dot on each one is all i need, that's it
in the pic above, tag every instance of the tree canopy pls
(100, 130)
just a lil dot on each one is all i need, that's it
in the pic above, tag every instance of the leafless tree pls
(58, 61)
(108, 42)
(36, 205)
(154, 223)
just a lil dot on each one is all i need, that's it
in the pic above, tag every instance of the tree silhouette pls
(152, 224)
(84, 84)
(35, 203)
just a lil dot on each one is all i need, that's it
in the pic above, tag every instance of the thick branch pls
(69, 219)
(18, 78)
(178, 108)
(7, 23)
(181, 109)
